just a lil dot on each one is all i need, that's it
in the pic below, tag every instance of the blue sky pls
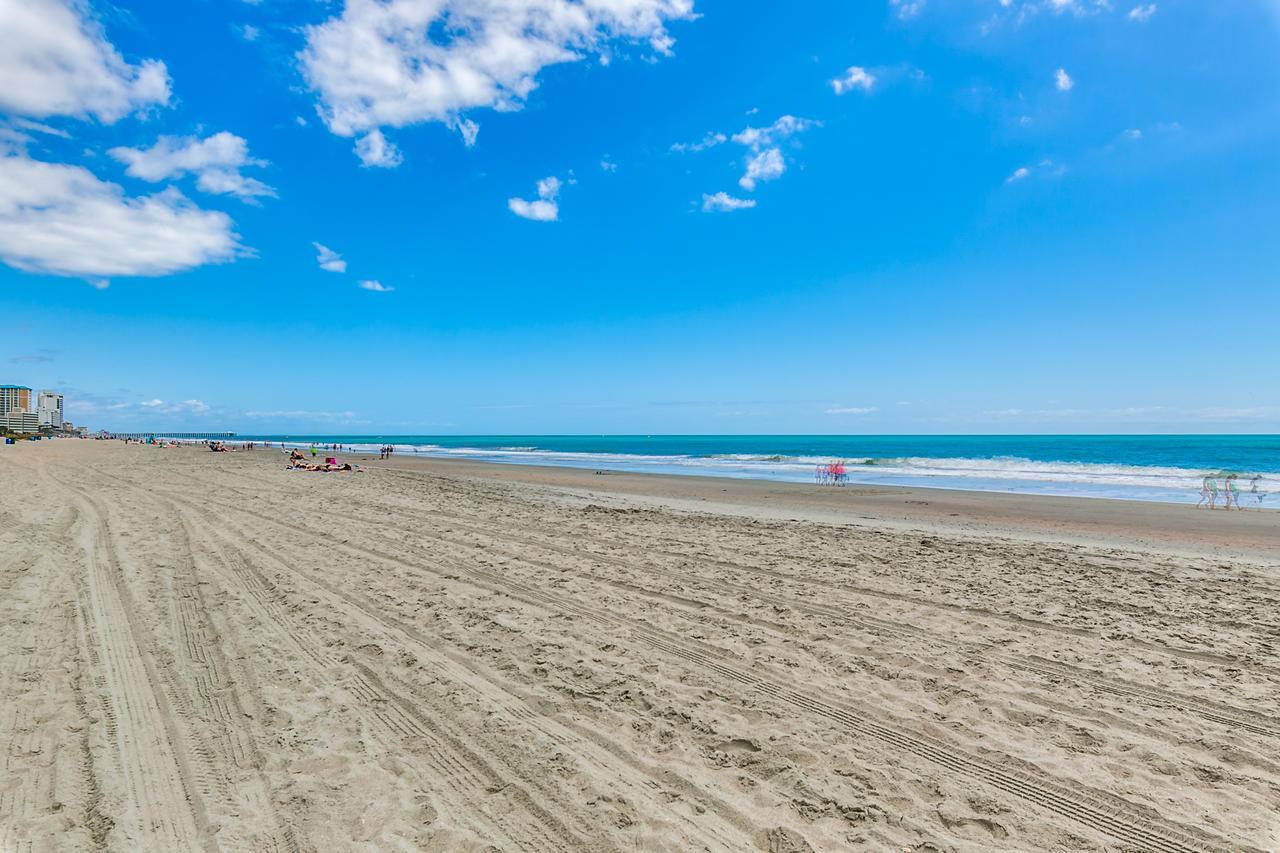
(644, 216)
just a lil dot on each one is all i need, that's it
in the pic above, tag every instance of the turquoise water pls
(1150, 467)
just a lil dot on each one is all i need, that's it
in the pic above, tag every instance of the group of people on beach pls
(830, 474)
(385, 451)
(1209, 491)
(223, 447)
(297, 461)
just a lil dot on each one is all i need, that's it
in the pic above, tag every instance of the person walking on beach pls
(1233, 492)
(1257, 493)
(1208, 492)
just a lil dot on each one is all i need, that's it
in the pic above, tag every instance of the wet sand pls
(208, 652)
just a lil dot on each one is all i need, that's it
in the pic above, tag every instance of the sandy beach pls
(209, 652)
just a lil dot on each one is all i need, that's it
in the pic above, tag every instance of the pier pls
(201, 436)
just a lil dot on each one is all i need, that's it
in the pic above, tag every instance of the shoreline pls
(1105, 467)
(1162, 527)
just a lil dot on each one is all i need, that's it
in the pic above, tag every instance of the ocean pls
(1133, 467)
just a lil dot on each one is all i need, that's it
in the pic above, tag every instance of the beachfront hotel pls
(49, 409)
(19, 415)
(14, 398)
(16, 415)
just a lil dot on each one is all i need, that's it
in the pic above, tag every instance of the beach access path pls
(209, 652)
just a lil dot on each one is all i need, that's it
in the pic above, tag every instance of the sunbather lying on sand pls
(309, 466)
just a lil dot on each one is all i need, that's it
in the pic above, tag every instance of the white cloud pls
(608, 165)
(711, 140)
(1080, 8)
(373, 149)
(765, 162)
(1142, 12)
(1024, 10)
(216, 162)
(1045, 169)
(12, 139)
(758, 137)
(375, 286)
(853, 410)
(62, 220)
(549, 188)
(722, 202)
(329, 259)
(468, 130)
(539, 210)
(1063, 80)
(542, 209)
(766, 165)
(152, 407)
(1133, 134)
(392, 63)
(38, 127)
(856, 77)
(249, 32)
(186, 407)
(57, 61)
(907, 9)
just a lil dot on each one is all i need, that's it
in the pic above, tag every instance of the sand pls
(208, 652)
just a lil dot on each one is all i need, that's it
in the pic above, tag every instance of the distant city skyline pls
(23, 410)
(658, 216)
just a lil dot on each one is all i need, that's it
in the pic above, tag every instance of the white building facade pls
(49, 409)
(19, 422)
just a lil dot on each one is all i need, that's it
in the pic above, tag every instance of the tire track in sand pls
(207, 693)
(405, 717)
(1221, 713)
(469, 775)
(162, 809)
(1100, 812)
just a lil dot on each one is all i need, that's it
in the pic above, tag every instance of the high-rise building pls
(49, 409)
(14, 399)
